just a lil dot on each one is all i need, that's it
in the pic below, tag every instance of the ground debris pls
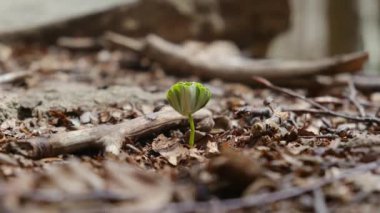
(89, 130)
(170, 148)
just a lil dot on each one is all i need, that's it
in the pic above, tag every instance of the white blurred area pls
(370, 28)
(306, 39)
(309, 35)
(18, 14)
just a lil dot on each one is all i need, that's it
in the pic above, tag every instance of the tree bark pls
(343, 26)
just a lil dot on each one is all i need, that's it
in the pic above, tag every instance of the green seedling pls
(187, 98)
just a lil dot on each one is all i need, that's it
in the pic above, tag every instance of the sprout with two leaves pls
(187, 98)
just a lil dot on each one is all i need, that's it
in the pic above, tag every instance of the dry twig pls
(353, 99)
(14, 76)
(109, 137)
(208, 62)
(322, 110)
(319, 201)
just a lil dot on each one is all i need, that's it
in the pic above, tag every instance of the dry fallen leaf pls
(212, 147)
(170, 148)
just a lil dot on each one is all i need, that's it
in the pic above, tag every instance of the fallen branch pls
(14, 76)
(322, 110)
(353, 98)
(268, 198)
(368, 119)
(319, 201)
(109, 137)
(129, 43)
(240, 69)
(224, 61)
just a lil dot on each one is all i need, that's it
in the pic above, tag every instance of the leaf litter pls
(262, 150)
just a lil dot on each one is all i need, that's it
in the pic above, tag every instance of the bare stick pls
(129, 43)
(14, 76)
(336, 114)
(353, 98)
(319, 201)
(240, 69)
(234, 67)
(109, 137)
(268, 198)
(288, 92)
(320, 108)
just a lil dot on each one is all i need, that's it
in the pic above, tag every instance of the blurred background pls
(289, 29)
(324, 27)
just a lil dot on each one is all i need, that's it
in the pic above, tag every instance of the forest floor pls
(262, 150)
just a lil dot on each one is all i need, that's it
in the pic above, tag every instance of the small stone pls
(85, 118)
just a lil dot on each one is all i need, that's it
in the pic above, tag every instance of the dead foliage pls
(86, 129)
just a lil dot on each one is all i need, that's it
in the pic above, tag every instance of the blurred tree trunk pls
(343, 25)
(370, 22)
(308, 32)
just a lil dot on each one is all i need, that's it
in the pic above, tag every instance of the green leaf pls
(188, 97)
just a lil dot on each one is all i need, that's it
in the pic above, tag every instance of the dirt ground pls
(260, 151)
